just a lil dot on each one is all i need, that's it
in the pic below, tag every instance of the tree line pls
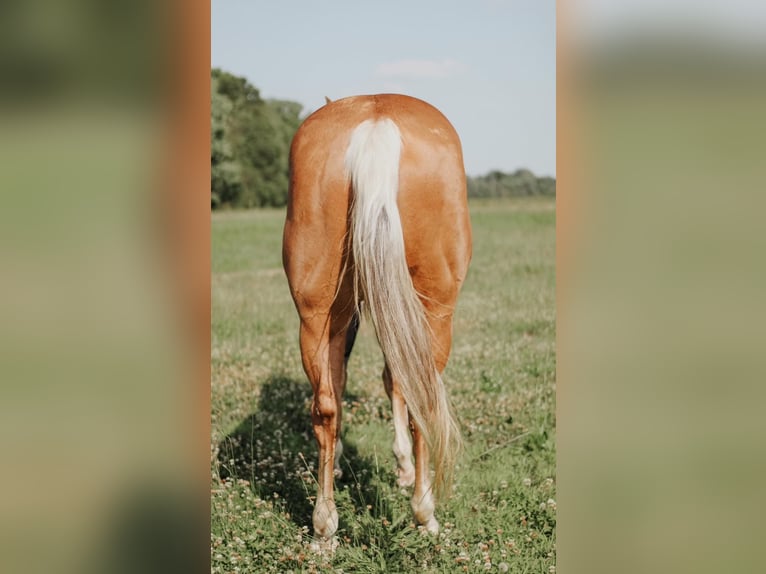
(250, 144)
(520, 183)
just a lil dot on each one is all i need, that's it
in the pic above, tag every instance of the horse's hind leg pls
(402, 446)
(323, 359)
(423, 504)
(353, 328)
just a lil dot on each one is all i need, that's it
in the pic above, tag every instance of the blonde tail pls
(383, 281)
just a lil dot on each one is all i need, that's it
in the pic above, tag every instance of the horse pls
(377, 222)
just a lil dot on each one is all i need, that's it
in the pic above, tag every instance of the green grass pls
(501, 378)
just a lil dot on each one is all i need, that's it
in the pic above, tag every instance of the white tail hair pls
(383, 281)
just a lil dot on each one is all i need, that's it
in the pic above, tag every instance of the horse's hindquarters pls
(402, 237)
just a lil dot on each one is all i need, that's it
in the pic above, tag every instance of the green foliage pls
(520, 183)
(225, 173)
(249, 144)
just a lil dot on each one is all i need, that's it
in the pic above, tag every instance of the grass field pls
(501, 378)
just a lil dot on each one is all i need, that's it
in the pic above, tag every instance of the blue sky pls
(488, 65)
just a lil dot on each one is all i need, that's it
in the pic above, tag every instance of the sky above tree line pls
(488, 65)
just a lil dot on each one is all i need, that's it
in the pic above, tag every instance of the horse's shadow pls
(275, 451)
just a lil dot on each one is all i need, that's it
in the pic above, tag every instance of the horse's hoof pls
(405, 478)
(325, 519)
(432, 526)
(324, 545)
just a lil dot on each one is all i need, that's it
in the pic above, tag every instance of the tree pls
(250, 143)
(225, 172)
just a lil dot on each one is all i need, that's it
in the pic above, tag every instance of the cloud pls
(420, 68)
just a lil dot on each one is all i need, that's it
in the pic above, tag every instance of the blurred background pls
(103, 296)
(660, 286)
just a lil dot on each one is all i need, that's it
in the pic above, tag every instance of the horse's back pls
(429, 141)
(431, 196)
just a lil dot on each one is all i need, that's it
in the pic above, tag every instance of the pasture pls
(501, 379)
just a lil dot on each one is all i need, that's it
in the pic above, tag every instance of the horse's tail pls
(383, 281)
